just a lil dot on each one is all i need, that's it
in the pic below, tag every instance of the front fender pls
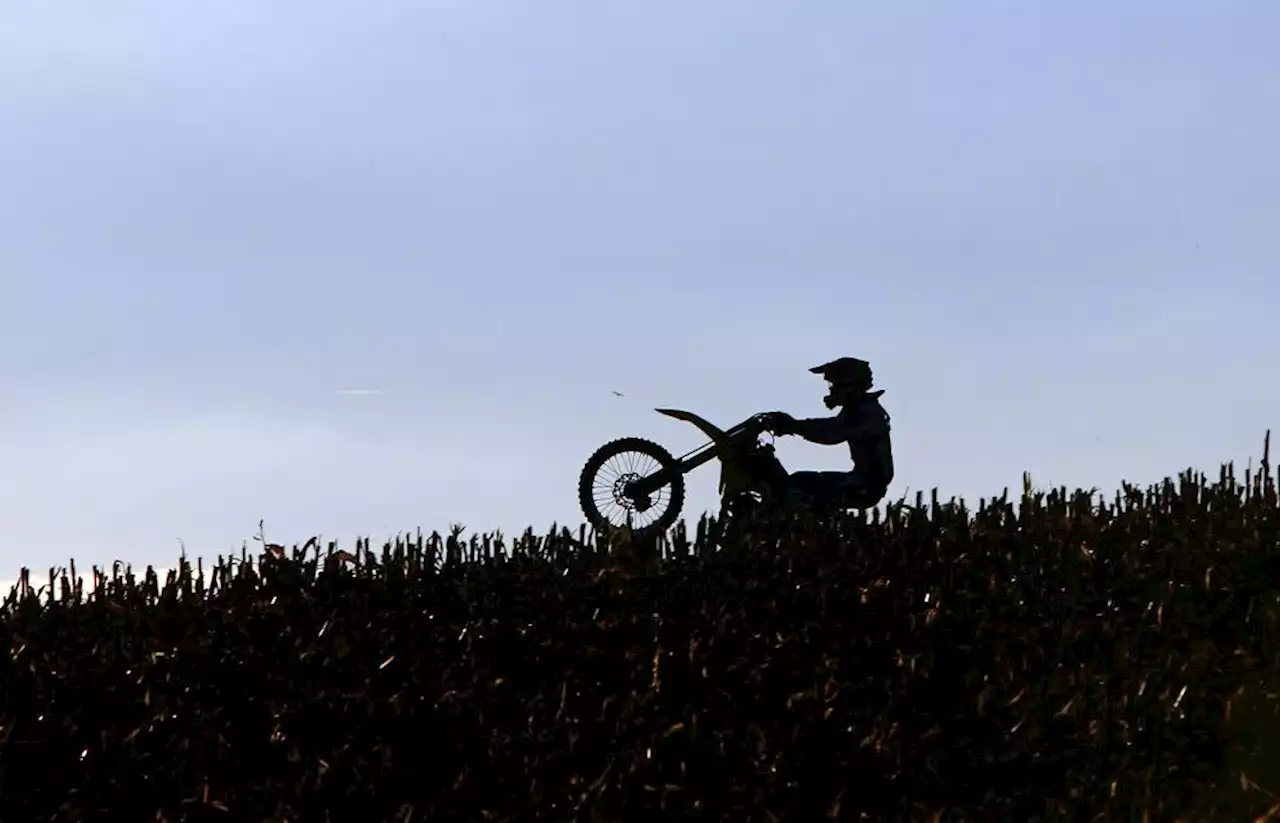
(732, 475)
(714, 434)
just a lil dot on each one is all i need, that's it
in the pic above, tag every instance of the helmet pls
(848, 376)
(846, 371)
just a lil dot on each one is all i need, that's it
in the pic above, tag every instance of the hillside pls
(1058, 659)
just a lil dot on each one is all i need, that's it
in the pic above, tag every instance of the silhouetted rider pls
(861, 422)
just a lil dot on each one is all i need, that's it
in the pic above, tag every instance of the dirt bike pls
(647, 492)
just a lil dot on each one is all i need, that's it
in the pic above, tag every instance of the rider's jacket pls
(864, 425)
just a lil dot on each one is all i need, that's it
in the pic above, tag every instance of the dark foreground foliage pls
(1054, 660)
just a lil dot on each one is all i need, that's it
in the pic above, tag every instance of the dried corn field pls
(1046, 657)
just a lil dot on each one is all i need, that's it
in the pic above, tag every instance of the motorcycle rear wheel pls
(599, 502)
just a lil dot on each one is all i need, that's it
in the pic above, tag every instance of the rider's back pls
(870, 443)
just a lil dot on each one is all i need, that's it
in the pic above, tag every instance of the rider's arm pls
(825, 431)
(844, 427)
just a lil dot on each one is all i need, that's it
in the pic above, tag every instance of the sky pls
(1052, 227)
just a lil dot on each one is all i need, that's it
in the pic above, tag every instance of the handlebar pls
(762, 422)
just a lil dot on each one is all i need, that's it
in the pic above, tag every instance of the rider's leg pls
(817, 488)
(845, 490)
(860, 491)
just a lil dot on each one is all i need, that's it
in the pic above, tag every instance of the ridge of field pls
(39, 575)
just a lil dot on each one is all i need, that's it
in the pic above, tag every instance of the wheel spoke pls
(607, 490)
(603, 492)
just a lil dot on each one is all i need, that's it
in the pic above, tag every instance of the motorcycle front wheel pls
(605, 475)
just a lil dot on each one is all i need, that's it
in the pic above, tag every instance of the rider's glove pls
(781, 423)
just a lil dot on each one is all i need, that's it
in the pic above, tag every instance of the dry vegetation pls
(1058, 659)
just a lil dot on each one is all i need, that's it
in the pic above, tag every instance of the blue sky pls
(1053, 228)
